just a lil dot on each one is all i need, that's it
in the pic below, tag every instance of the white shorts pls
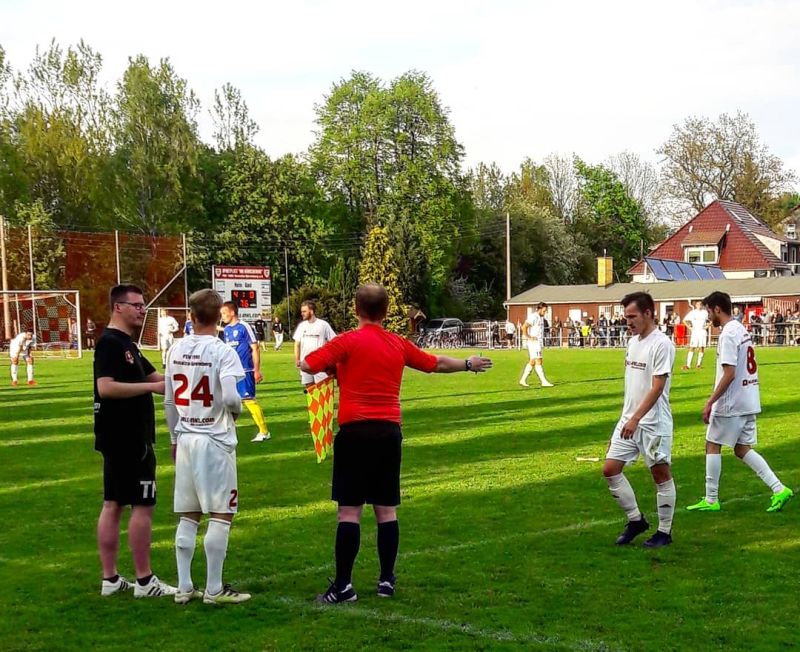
(307, 379)
(698, 340)
(205, 476)
(535, 349)
(729, 431)
(654, 448)
(165, 342)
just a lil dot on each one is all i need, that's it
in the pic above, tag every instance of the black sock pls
(388, 543)
(113, 579)
(348, 540)
(142, 581)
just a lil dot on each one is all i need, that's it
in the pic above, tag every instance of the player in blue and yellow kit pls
(241, 338)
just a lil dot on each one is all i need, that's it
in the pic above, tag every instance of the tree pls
(378, 266)
(563, 186)
(705, 160)
(48, 248)
(156, 149)
(233, 127)
(641, 180)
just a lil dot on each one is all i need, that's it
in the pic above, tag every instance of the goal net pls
(148, 337)
(54, 316)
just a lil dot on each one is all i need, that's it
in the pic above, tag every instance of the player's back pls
(195, 368)
(743, 396)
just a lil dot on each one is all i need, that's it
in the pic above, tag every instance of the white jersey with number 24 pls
(195, 367)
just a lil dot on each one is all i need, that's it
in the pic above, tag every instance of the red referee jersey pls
(369, 365)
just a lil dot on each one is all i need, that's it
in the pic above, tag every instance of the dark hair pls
(119, 293)
(28, 330)
(310, 303)
(372, 301)
(719, 300)
(204, 306)
(540, 305)
(643, 301)
(230, 305)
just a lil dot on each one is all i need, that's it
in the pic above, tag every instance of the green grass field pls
(506, 540)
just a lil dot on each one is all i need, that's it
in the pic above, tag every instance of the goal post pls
(54, 316)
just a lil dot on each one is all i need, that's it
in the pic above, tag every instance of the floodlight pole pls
(6, 306)
(116, 253)
(33, 284)
(508, 257)
(288, 304)
(185, 272)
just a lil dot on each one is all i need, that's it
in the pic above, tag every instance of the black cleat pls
(386, 587)
(335, 596)
(632, 530)
(658, 540)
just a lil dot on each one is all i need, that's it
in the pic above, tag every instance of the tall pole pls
(6, 297)
(33, 283)
(116, 252)
(288, 305)
(185, 273)
(508, 256)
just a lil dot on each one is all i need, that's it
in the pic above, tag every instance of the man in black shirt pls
(277, 331)
(260, 327)
(124, 427)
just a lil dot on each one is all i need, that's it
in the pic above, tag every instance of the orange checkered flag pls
(320, 416)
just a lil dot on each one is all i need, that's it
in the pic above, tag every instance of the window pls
(707, 255)
(791, 231)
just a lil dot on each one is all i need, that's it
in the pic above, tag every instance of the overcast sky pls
(520, 78)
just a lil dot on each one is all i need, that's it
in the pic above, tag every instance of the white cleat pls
(261, 437)
(155, 588)
(523, 383)
(547, 384)
(226, 596)
(110, 588)
(182, 597)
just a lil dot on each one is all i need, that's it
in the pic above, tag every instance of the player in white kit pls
(697, 320)
(533, 331)
(167, 327)
(646, 425)
(310, 335)
(201, 404)
(732, 408)
(22, 347)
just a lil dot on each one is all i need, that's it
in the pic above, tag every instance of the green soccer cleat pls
(704, 506)
(780, 499)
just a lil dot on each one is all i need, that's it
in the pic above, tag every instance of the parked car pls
(442, 333)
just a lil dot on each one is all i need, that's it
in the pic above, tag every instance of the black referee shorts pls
(130, 478)
(366, 464)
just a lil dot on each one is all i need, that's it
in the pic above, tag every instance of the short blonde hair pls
(204, 306)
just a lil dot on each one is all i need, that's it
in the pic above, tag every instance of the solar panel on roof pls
(674, 270)
(716, 273)
(658, 269)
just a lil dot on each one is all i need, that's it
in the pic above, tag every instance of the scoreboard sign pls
(250, 288)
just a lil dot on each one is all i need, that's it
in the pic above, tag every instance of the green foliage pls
(378, 266)
(48, 248)
(329, 307)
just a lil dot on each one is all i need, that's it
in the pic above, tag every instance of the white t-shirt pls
(20, 345)
(536, 327)
(167, 326)
(742, 396)
(313, 335)
(195, 367)
(697, 320)
(652, 356)
(510, 328)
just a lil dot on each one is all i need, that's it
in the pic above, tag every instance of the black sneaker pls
(335, 596)
(632, 530)
(386, 588)
(658, 540)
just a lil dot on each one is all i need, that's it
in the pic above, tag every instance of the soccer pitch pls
(507, 541)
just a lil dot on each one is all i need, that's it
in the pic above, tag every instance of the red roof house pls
(727, 235)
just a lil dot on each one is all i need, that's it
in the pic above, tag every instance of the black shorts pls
(366, 464)
(130, 479)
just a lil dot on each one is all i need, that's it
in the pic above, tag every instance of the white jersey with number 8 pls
(735, 348)
(195, 367)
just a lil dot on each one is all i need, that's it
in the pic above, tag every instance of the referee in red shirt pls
(369, 363)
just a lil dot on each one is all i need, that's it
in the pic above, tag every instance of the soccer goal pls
(54, 316)
(148, 336)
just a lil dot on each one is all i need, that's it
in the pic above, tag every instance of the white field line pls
(443, 625)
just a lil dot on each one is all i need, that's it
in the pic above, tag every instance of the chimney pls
(605, 271)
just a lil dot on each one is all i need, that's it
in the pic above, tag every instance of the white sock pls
(699, 358)
(622, 492)
(30, 372)
(760, 466)
(713, 471)
(185, 539)
(216, 545)
(689, 359)
(540, 372)
(14, 372)
(526, 372)
(665, 503)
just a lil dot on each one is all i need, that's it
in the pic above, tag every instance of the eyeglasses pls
(136, 306)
